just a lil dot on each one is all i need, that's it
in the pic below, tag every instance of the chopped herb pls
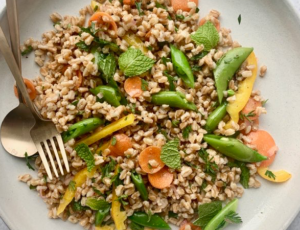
(246, 116)
(121, 199)
(75, 103)
(169, 17)
(139, 8)
(144, 85)
(163, 132)
(132, 108)
(149, 166)
(158, 5)
(108, 168)
(116, 178)
(199, 56)
(204, 185)
(196, 68)
(233, 218)
(96, 204)
(150, 48)
(240, 19)
(27, 51)
(179, 17)
(93, 179)
(81, 45)
(113, 141)
(69, 26)
(32, 187)
(45, 178)
(197, 10)
(84, 152)
(210, 167)
(263, 103)
(175, 123)
(230, 92)
(165, 60)
(27, 158)
(56, 23)
(172, 215)
(270, 174)
(190, 165)
(97, 192)
(245, 172)
(96, 8)
(77, 207)
(171, 81)
(72, 186)
(221, 225)
(176, 29)
(186, 131)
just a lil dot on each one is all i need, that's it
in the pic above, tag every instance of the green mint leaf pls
(108, 168)
(133, 62)
(144, 85)
(77, 207)
(206, 212)
(27, 158)
(207, 35)
(233, 218)
(72, 186)
(85, 154)
(82, 46)
(113, 141)
(107, 65)
(96, 205)
(139, 8)
(270, 175)
(186, 132)
(27, 51)
(170, 154)
(240, 19)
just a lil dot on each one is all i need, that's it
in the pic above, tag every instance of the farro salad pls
(158, 115)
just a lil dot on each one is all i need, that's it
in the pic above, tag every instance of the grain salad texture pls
(68, 73)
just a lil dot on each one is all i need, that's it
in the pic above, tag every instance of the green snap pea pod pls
(173, 99)
(182, 66)
(227, 66)
(81, 128)
(109, 94)
(100, 216)
(233, 148)
(217, 219)
(153, 221)
(215, 117)
(139, 184)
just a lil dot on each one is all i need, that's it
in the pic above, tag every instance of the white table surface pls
(295, 224)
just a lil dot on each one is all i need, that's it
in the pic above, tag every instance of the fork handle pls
(12, 64)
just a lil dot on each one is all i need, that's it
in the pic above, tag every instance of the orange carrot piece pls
(264, 143)
(133, 86)
(251, 107)
(216, 23)
(148, 154)
(97, 16)
(122, 144)
(162, 179)
(30, 89)
(182, 4)
(186, 223)
(80, 80)
(129, 2)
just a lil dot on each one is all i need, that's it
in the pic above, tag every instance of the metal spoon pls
(15, 129)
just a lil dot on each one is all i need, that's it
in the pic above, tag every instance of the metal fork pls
(44, 133)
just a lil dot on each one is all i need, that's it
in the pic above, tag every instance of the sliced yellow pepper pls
(280, 176)
(106, 227)
(136, 42)
(118, 216)
(79, 179)
(95, 5)
(243, 94)
(109, 129)
(103, 147)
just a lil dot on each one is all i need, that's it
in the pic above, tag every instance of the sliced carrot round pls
(162, 179)
(151, 153)
(186, 223)
(119, 144)
(250, 107)
(98, 17)
(182, 4)
(133, 86)
(215, 22)
(264, 143)
(80, 80)
(129, 2)
(30, 89)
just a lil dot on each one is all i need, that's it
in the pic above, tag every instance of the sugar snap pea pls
(233, 148)
(81, 128)
(139, 184)
(215, 117)
(182, 66)
(173, 99)
(227, 66)
(153, 221)
(100, 216)
(108, 93)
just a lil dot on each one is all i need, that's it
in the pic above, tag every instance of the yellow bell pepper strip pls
(117, 215)
(243, 94)
(109, 129)
(106, 227)
(102, 148)
(134, 41)
(276, 177)
(79, 179)
(95, 5)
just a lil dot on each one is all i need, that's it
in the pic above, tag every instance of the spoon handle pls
(12, 64)
(12, 16)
